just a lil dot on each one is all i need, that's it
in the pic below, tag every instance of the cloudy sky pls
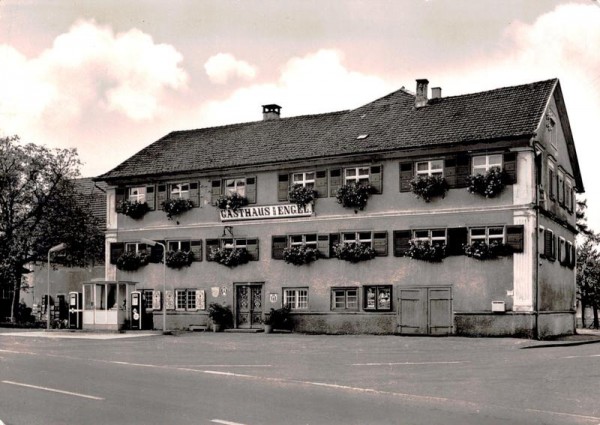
(110, 77)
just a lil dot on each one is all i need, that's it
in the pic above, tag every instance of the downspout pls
(538, 171)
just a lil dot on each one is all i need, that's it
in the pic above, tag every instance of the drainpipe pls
(538, 171)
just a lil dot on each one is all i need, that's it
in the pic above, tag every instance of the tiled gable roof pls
(93, 194)
(391, 123)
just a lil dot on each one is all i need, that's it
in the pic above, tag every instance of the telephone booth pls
(105, 304)
(75, 310)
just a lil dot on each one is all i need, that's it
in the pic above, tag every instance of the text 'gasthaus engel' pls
(266, 211)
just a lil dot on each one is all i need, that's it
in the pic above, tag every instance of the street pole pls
(55, 248)
(164, 297)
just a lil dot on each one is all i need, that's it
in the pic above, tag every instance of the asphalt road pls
(254, 379)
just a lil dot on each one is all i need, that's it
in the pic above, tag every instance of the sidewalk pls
(583, 336)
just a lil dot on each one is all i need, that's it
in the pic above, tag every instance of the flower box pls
(489, 184)
(427, 187)
(230, 257)
(299, 255)
(175, 207)
(484, 251)
(354, 195)
(301, 195)
(135, 209)
(131, 261)
(179, 259)
(231, 202)
(353, 252)
(426, 251)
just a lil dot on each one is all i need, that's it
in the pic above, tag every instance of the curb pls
(562, 344)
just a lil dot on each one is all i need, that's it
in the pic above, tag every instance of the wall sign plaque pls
(266, 211)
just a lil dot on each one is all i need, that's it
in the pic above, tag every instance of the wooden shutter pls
(119, 196)
(380, 243)
(549, 244)
(251, 190)
(210, 244)
(401, 242)
(277, 246)
(161, 195)
(406, 175)
(567, 256)
(514, 237)
(215, 190)
(156, 253)
(321, 183)
(156, 300)
(334, 238)
(457, 239)
(196, 249)
(573, 257)
(283, 187)
(510, 167)
(463, 170)
(195, 193)
(323, 245)
(116, 250)
(252, 247)
(450, 172)
(376, 178)
(200, 299)
(335, 181)
(169, 300)
(150, 197)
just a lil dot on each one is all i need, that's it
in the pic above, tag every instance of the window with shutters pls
(296, 298)
(549, 245)
(365, 238)
(304, 179)
(185, 299)
(357, 175)
(377, 298)
(569, 195)
(560, 180)
(178, 246)
(237, 185)
(551, 183)
(430, 168)
(483, 163)
(344, 299)
(430, 235)
(179, 191)
(136, 248)
(309, 240)
(137, 194)
(487, 234)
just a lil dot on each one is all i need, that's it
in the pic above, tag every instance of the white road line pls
(581, 357)
(405, 363)
(224, 365)
(221, 421)
(53, 390)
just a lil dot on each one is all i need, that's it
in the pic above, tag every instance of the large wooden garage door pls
(425, 311)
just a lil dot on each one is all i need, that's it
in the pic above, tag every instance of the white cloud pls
(88, 70)
(222, 67)
(311, 84)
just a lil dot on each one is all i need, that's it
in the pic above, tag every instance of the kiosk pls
(105, 304)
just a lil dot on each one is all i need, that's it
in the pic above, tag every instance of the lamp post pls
(55, 248)
(164, 301)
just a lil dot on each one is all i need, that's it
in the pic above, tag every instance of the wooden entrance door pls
(425, 311)
(248, 306)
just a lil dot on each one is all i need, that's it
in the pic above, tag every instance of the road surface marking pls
(405, 363)
(580, 357)
(53, 390)
(221, 421)
(19, 352)
(224, 365)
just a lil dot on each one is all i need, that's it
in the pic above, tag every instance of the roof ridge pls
(502, 88)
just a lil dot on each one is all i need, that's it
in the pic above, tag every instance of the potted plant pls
(484, 251)
(175, 207)
(302, 195)
(353, 252)
(489, 184)
(300, 254)
(131, 261)
(278, 319)
(354, 195)
(179, 259)
(233, 201)
(220, 315)
(427, 187)
(426, 251)
(230, 257)
(135, 209)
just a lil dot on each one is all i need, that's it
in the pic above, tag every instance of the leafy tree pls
(588, 266)
(40, 208)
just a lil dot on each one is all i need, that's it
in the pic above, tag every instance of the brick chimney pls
(271, 112)
(436, 92)
(421, 98)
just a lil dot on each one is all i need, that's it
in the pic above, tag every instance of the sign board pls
(273, 298)
(266, 211)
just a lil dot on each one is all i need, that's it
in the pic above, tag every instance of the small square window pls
(430, 168)
(296, 299)
(344, 299)
(378, 298)
(137, 194)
